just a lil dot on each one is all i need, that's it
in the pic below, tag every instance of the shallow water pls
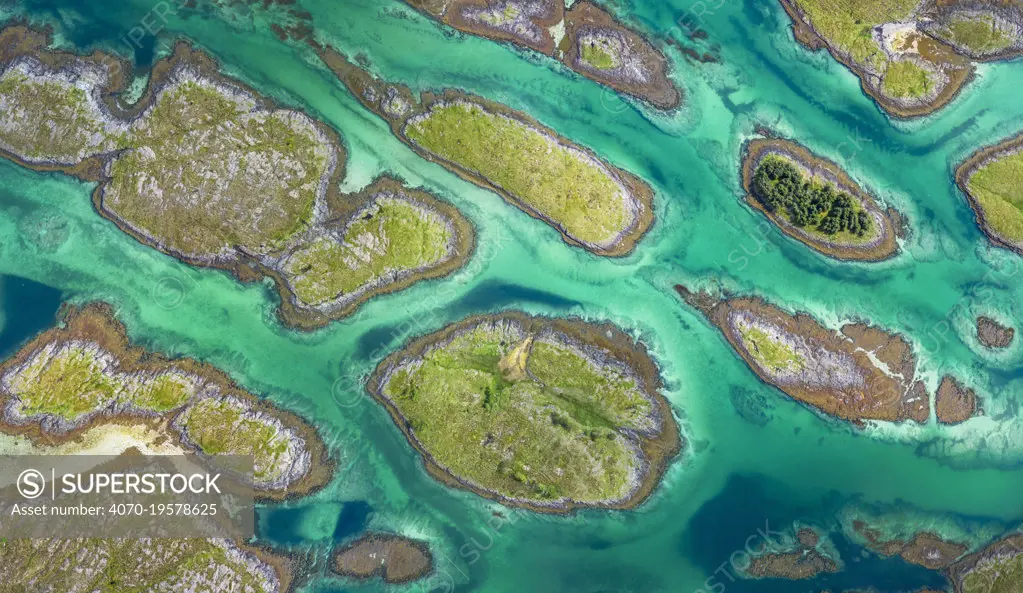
(764, 461)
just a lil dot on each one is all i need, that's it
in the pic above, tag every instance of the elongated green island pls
(592, 203)
(205, 169)
(992, 179)
(543, 413)
(812, 200)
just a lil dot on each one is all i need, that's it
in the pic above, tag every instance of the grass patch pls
(847, 24)
(50, 119)
(523, 416)
(772, 354)
(996, 575)
(905, 79)
(997, 187)
(206, 173)
(123, 566)
(392, 235)
(225, 427)
(980, 34)
(600, 53)
(563, 184)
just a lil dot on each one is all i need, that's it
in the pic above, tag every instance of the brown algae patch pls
(395, 558)
(879, 243)
(592, 203)
(205, 169)
(547, 414)
(84, 374)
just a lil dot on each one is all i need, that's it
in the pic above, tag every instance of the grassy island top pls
(562, 183)
(592, 203)
(205, 169)
(152, 565)
(525, 410)
(391, 235)
(72, 378)
(812, 200)
(912, 56)
(993, 180)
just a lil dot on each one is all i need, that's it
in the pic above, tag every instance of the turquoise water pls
(755, 458)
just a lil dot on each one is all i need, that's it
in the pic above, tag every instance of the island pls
(395, 558)
(998, 568)
(84, 374)
(992, 180)
(954, 403)
(541, 413)
(586, 38)
(813, 201)
(992, 334)
(857, 374)
(925, 549)
(800, 561)
(911, 56)
(154, 565)
(206, 170)
(592, 203)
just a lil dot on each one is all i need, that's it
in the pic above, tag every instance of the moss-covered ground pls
(770, 353)
(599, 52)
(391, 236)
(65, 122)
(905, 79)
(997, 189)
(207, 172)
(563, 184)
(847, 24)
(76, 379)
(123, 566)
(525, 416)
(981, 35)
(226, 427)
(995, 575)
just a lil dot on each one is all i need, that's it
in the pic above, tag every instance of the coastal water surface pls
(753, 458)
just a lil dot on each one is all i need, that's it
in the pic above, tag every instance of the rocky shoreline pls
(954, 403)
(974, 163)
(397, 105)
(635, 67)
(394, 558)
(654, 447)
(999, 561)
(924, 548)
(191, 67)
(305, 466)
(883, 246)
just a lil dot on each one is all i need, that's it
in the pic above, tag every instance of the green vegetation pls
(818, 207)
(979, 34)
(51, 119)
(997, 187)
(498, 15)
(392, 235)
(848, 25)
(124, 566)
(905, 79)
(68, 383)
(563, 184)
(772, 354)
(206, 172)
(524, 416)
(600, 52)
(224, 426)
(995, 575)
(76, 379)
